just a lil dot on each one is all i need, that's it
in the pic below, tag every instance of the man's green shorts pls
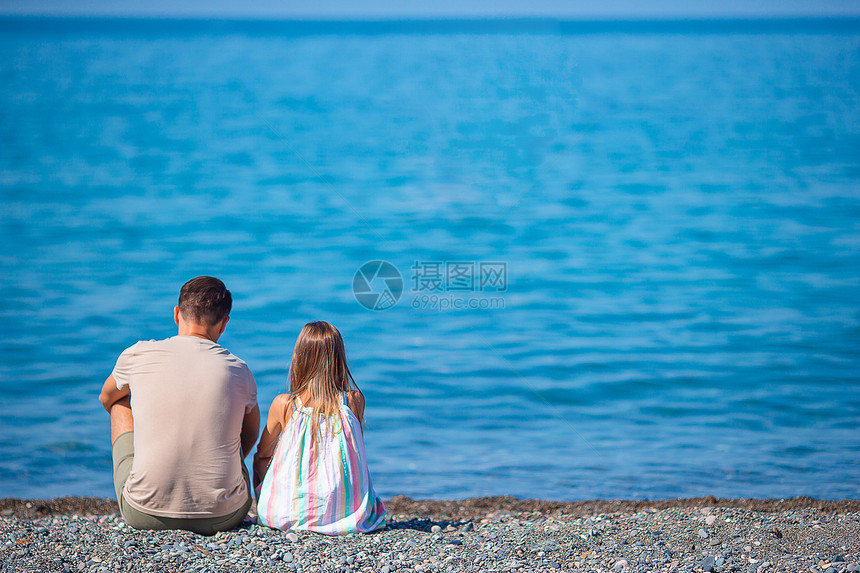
(123, 456)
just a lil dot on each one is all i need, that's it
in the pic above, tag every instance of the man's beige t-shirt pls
(189, 397)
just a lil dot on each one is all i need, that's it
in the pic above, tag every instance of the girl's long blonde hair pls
(318, 369)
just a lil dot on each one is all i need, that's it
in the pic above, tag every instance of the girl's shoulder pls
(281, 400)
(278, 409)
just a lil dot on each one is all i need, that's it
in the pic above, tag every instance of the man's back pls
(189, 397)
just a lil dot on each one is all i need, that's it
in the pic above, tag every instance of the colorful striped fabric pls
(319, 481)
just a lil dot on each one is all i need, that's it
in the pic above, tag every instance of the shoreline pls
(478, 535)
(475, 508)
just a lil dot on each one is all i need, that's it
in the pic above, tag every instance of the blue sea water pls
(676, 206)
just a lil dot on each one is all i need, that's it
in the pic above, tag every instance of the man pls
(183, 416)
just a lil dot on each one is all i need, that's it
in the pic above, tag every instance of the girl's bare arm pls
(269, 439)
(356, 404)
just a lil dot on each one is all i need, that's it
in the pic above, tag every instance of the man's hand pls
(250, 430)
(111, 394)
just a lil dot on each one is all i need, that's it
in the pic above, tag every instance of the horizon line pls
(128, 25)
(438, 18)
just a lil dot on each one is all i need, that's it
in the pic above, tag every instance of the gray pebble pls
(776, 532)
(435, 529)
(703, 534)
(707, 564)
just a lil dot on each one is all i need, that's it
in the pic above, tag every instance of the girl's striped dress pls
(318, 480)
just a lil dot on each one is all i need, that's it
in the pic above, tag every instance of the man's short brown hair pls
(205, 300)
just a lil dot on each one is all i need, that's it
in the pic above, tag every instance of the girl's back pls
(312, 454)
(318, 478)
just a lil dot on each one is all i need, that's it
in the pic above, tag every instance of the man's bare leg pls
(121, 420)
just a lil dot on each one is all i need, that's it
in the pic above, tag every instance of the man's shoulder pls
(237, 362)
(233, 362)
(242, 367)
(131, 359)
(188, 349)
(227, 355)
(159, 349)
(238, 370)
(142, 346)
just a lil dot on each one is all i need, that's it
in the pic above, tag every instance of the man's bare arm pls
(250, 430)
(110, 394)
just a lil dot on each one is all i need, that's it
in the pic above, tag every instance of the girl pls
(310, 458)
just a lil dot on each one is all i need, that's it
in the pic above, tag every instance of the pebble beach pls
(490, 535)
